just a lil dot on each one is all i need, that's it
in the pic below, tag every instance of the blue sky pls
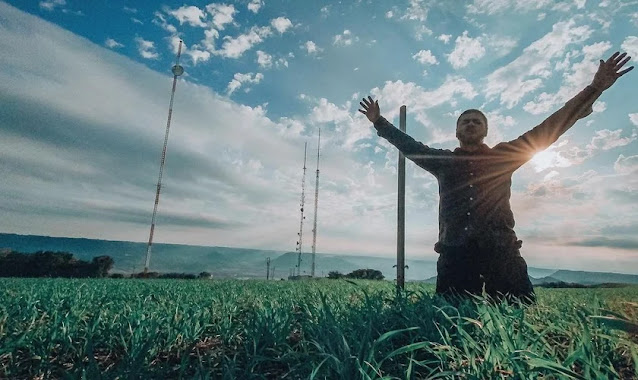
(85, 88)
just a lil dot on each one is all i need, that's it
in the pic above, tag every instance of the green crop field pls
(324, 329)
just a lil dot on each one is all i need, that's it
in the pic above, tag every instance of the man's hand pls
(608, 71)
(371, 108)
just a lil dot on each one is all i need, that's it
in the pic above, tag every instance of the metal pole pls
(267, 268)
(177, 71)
(401, 211)
(303, 201)
(314, 229)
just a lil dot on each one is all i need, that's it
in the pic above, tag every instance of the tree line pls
(52, 264)
(363, 274)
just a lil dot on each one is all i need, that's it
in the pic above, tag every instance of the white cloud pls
(198, 55)
(50, 5)
(255, 5)
(606, 139)
(466, 49)
(325, 11)
(564, 155)
(389, 14)
(129, 10)
(491, 7)
(137, 21)
(633, 117)
(264, 59)
(222, 14)
(425, 57)
(422, 31)
(567, 6)
(550, 158)
(524, 75)
(210, 36)
(235, 47)
(282, 62)
(599, 107)
(349, 129)
(630, 45)
(281, 24)
(497, 45)
(193, 52)
(345, 39)
(497, 123)
(395, 94)
(161, 21)
(290, 128)
(626, 165)
(146, 49)
(445, 38)
(576, 78)
(634, 18)
(311, 48)
(191, 15)
(326, 112)
(111, 43)
(239, 79)
(418, 10)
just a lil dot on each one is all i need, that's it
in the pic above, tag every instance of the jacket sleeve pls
(427, 158)
(546, 133)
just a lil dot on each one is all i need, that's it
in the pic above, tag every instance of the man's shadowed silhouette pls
(477, 244)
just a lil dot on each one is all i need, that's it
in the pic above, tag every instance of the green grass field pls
(58, 328)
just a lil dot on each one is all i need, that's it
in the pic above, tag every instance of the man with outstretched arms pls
(477, 244)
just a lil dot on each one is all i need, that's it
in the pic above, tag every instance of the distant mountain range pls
(229, 262)
(220, 261)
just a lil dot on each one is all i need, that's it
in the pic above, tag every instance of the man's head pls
(471, 127)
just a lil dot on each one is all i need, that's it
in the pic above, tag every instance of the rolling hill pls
(230, 262)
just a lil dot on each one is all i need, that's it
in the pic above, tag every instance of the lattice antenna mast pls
(303, 201)
(177, 71)
(314, 228)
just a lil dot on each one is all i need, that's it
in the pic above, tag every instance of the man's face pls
(471, 128)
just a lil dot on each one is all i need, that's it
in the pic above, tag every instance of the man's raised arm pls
(428, 158)
(578, 107)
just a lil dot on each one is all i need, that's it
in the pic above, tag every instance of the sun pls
(547, 159)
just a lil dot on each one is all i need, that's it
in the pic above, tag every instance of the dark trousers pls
(497, 266)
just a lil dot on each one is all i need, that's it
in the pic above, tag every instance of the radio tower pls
(177, 71)
(314, 228)
(303, 201)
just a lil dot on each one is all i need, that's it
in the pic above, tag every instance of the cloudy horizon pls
(85, 92)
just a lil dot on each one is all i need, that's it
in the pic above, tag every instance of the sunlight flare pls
(548, 159)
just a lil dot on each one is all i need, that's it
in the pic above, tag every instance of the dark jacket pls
(474, 187)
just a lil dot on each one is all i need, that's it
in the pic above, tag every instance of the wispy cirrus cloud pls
(222, 14)
(111, 43)
(466, 49)
(255, 5)
(146, 49)
(239, 79)
(237, 46)
(345, 39)
(50, 5)
(190, 15)
(527, 72)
